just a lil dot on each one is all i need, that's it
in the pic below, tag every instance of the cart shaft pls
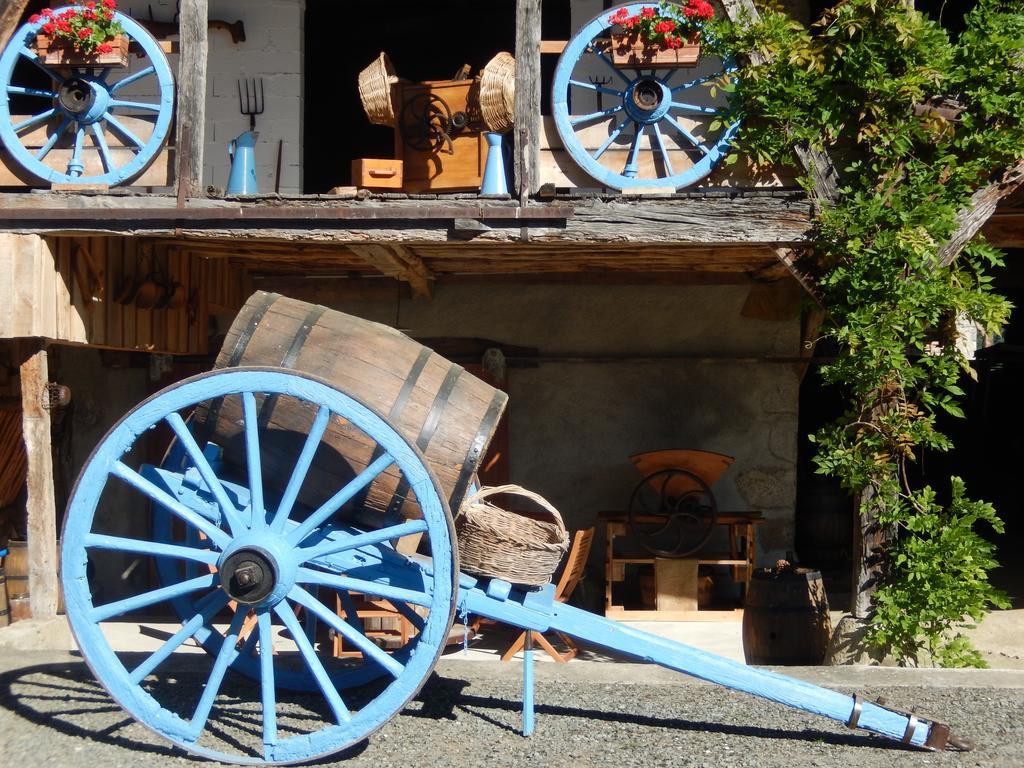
(909, 728)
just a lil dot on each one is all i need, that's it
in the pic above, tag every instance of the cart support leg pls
(528, 684)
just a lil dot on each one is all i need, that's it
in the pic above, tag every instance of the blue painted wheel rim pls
(657, 126)
(152, 71)
(79, 539)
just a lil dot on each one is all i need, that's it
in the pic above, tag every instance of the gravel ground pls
(54, 714)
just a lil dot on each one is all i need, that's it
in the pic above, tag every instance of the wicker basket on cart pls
(496, 543)
(377, 92)
(498, 93)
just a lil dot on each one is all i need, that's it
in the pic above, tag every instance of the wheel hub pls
(249, 575)
(648, 100)
(82, 100)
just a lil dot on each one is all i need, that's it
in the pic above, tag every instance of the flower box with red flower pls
(55, 52)
(88, 35)
(662, 36)
(631, 51)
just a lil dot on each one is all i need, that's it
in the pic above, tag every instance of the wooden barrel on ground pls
(15, 569)
(786, 619)
(445, 411)
(5, 610)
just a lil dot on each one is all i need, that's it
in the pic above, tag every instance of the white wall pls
(272, 50)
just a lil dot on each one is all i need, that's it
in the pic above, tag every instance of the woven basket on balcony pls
(377, 92)
(498, 93)
(496, 543)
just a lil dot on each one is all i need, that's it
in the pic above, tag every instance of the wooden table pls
(740, 557)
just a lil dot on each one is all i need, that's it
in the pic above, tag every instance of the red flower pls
(49, 27)
(63, 25)
(111, 4)
(673, 42)
(104, 48)
(47, 12)
(89, 15)
(85, 33)
(90, 5)
(665, 26)
(648, 13)
(631, 22)
(35, 18)
(616, 18)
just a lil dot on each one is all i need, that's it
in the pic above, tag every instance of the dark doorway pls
(425, 41)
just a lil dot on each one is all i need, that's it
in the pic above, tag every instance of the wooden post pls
(10, 14)
(191, 113)
(42, 513)
(527, 104)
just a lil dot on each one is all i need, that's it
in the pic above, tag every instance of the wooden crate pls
(374, 173)
(426, 171)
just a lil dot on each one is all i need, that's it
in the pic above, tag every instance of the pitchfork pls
(252, 104)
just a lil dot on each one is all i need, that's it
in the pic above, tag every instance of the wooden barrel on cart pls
(786, 619)
(448, 413)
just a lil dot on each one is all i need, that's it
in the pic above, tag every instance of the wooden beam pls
(11, 12)
(718, 220)
(191, 112)
(527, 101)
(983, 205)
(42, 510)
(1005, 228)
(400, 262)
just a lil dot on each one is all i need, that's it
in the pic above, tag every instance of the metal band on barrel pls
(210, 423)
(483, 434)
(394, 415)
(393, 514)
(288, 361)
(438, 406)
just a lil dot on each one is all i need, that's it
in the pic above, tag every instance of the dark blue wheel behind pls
(250, 564)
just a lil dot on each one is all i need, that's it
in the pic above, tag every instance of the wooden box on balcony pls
(373, 173)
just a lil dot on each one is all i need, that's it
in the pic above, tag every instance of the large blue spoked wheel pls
(251, 559)
(638, 129)
(85, 125)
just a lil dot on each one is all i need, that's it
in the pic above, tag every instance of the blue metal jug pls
(242, 152)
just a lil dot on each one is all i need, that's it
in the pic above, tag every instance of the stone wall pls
(653, 367)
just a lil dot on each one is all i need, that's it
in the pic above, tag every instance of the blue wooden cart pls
(257, 569)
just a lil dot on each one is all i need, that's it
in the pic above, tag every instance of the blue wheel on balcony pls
(258, 560)
(641, 128)
(85, 124)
